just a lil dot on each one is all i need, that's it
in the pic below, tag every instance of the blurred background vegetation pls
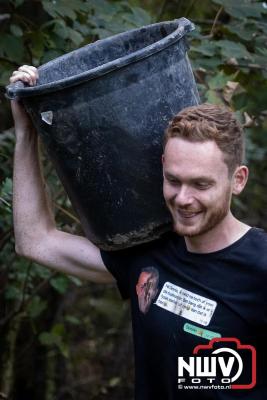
(62, 338)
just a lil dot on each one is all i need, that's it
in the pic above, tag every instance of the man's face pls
(196, 187)
(146, 290)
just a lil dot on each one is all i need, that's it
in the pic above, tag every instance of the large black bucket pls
(101, 111)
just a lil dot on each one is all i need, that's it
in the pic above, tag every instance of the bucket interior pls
(103, 51)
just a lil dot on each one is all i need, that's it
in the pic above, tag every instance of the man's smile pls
(187, 214)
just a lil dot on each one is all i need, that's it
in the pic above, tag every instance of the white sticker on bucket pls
(186, 304)
(47, 116)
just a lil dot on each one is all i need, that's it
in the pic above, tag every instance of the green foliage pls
(228, 54)
(57, 337)
(59, 26)
(242, 8)
(34, 33)
(60, 284)
(229, 60)
(5, 196)
(36, 307)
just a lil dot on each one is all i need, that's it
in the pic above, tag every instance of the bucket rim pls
(20, 90)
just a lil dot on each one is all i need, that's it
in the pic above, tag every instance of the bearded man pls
(198, 285)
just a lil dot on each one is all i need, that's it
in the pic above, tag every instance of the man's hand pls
(22, 121)
(25, 73)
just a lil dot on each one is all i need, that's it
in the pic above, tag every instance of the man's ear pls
(240, 178)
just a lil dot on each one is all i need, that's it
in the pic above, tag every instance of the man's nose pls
(184, 196)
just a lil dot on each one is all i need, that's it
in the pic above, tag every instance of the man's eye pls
(202, 185)
(173, 181)
(143, 286)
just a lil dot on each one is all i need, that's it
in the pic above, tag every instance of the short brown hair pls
(210, 122)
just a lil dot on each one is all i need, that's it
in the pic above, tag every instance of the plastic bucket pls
(101, 112)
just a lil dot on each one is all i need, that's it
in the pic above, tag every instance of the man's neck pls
(218, 238)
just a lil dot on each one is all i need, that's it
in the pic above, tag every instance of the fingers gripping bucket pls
(101, 112)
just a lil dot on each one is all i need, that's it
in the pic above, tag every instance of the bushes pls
(57, 331)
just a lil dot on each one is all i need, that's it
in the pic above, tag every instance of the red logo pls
(224, 363)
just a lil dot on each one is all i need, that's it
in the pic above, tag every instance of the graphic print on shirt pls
(186, 304)
(147, 288)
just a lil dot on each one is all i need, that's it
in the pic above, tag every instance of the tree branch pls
(215, 21)
(23, 304)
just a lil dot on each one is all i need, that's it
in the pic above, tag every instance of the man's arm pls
(36, 235)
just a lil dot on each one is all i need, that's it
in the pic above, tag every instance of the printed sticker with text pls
(187, 304)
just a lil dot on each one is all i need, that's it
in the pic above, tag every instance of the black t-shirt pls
(180, 300)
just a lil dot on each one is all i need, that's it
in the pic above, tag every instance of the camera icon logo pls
(224, 363)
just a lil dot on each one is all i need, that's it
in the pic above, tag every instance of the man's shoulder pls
(255, 247)
(163, 242)
(166, 241)
(258, 237)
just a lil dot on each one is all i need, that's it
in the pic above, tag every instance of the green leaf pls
(109, 19)
(220, 80)
(12, 293)
(76, 5)
(75, 280)
(64, 349)
(243, 29)
(242, 8)
(206, 63)
(5, 75)
(7, 187)
(207, 48)
(48, 339)
(262, 26)
(40, 271)
(36, 307)
(65, 11)
(137, 17)
(16, 30)
(75, 36)
(60, 284)
(55, 338)
(115, 381)
(58, 330)
(82, 28)
(231, 49)
(104, 8)
(50, 55)
(64, 8)
(101, 33)
(61, 29)
(12, 47)
(213, 97)
(38, 43)
(72, 320)
(49, 8)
